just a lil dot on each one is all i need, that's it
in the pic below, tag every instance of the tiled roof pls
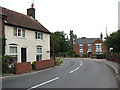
(85, 40)
(21, 20)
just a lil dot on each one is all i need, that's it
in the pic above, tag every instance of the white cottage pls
(27, 40)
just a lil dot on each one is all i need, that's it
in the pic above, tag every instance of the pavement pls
(113, 65)
(73, 73)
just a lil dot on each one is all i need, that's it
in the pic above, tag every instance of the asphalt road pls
(73, 73)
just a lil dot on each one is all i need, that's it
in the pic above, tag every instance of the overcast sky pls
(87, 18)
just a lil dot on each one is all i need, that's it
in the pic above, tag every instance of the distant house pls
(27, 40)
(86, 46)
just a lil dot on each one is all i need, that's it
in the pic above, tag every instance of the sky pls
(87, 18)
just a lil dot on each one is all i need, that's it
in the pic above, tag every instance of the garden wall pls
(22, 67)
(44, 64)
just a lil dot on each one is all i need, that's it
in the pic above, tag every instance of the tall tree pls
(113, 41)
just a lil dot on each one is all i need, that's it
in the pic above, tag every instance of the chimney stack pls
(101, 36)
(31, 11)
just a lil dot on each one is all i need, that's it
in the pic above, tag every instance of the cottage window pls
(23, 33)
(38, 35)
(13, 53)
(15, 32)
(39, 53)
(18, 32)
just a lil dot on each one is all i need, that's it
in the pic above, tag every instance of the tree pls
(113, 41)
(60, 44)
(72, 36)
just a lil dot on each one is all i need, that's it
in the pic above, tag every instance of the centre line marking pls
(43, 83)
(76, 68)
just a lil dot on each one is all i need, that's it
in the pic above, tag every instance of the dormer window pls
(38, 35)
(18, 32)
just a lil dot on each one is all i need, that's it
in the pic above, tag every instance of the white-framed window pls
(13, 49)
(98, 52)
(13, 52)
(38, 35)
(18, 32)
(81, 53)
(81, 47)
(39, 53)
(98, 46)
(89, 47)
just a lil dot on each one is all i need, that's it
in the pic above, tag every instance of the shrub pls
(58, 61)
(76, 55)
(7, 65)
(118, 56)
(84, 55)
(32, 65)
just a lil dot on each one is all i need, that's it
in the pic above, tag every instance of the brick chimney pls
(31, 11)
(101, 36)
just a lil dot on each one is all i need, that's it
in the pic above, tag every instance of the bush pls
(76, 55)
(58, 61)
(7, 65)
(84, 55)
(118, 56)
(32, 65)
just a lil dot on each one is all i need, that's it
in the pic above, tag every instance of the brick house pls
(86, 46)
(27, 39)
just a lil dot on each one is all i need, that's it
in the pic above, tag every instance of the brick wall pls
(85, 49)
(22, 67)
(93, 47)
(76, 48)
(44, 64)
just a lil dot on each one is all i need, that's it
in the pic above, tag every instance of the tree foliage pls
(113, 41)
(60, 44)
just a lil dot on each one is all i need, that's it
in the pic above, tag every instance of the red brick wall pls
(44, 64)
(76, 48)
(94, 47)
(22, 67)
(85, 49)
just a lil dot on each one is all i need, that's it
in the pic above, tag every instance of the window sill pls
(19, 37)
(39, 39)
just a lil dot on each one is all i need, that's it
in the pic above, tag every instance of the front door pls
(23, 55)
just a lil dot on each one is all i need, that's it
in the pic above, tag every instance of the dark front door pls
(23, 55)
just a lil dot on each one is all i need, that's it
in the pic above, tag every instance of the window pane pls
(41, 36)
(19, 32)
(38, 35)
(15, 32)
(14, 58)
(39, 49)
(81, 47)
(13, 49)
(23, 33)
(39, 57)
(35, 35)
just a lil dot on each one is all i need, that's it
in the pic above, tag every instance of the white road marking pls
(43, 83)
(76, 68)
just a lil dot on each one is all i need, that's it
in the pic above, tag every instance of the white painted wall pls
(29, 42)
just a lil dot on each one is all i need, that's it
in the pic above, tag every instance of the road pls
(73, 73)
